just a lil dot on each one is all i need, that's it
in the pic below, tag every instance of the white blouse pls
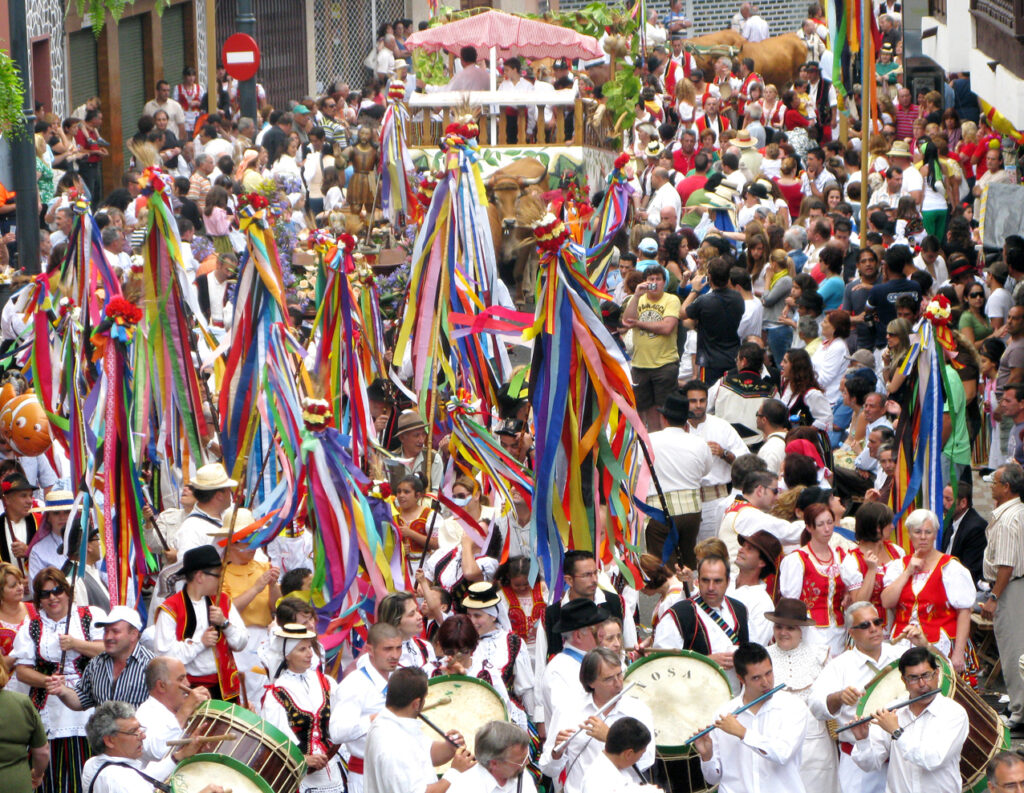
(58, 719)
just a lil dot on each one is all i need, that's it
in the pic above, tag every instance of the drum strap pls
(164, 788)
(717, 619)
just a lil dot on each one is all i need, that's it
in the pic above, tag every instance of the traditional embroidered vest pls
(722, 125)
(753, 77)
(517, 617)
(35, 632)
(823, 593)
(930, 606)
(311, 729)
(876, 593)
(227, 672)
(507, 673)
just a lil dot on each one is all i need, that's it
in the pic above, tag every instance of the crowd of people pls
(767, 331)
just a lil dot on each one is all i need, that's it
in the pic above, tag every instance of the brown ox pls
(505, 187)
(776, 59)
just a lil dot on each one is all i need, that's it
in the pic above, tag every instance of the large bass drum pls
(986, 736)
(471, 704)
(684, 690)
(262, 759)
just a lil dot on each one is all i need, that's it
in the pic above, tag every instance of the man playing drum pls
(560, 686)
(116, 738)
(708, 623)
(360, 697)
(918, 746)
(170, 704)
(400, 758)
(760, 748)
(601, 676)
(841, 685)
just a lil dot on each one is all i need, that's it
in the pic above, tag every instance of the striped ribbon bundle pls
(846, 34)
(397, 196)
(259, 303)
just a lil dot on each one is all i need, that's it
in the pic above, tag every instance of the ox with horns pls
(516, 259)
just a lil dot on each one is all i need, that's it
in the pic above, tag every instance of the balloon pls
(7, 412)
(29, 434)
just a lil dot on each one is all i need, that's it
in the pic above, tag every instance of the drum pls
(684, 690)
(473, 704)
(261, 759)
(987, 734)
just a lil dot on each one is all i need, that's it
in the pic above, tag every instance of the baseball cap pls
(648, 245)
(121, 614)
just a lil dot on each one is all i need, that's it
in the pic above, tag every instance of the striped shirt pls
(1005, 536)
(98, 685)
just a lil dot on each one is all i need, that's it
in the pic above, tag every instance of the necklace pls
(818, 558)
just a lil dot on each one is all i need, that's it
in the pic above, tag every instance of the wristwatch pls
(993, 596)
(897, 733)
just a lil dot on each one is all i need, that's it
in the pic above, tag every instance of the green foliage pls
(12, 94)
(429, 66)
(98, 10)
(622, 95)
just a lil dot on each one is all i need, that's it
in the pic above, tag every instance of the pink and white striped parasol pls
(511, 35)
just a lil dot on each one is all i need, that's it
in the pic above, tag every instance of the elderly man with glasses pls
(502, 754)
(115, 737)
(841, 684)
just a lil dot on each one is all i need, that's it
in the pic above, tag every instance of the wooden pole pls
(211, 56)
(865, 118)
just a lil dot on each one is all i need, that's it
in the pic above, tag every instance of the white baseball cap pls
(121, 614)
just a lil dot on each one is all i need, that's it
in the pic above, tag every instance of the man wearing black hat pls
(17, 524)
(757, 559)
(200, 627)
(709, 623)
(560, 686)
(681, 461)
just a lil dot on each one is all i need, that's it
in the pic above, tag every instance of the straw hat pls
(293, 631)
(212, 477)
(481, 595)
(243, 520)
(900, 148)
(744, 139)
(58, 501)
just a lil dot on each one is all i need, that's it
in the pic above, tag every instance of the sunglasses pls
(878, 622)
(976, 294)
(47, 593)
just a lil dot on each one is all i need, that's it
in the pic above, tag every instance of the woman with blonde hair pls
(686, 104)
(44, 173)
(965, 150)
(778, 283)
(790, 186)
(13, 613)
(772, 106)
(878, 146)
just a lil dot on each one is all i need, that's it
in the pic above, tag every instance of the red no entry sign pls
(241, 56)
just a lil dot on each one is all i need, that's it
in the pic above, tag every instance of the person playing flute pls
(759, 748)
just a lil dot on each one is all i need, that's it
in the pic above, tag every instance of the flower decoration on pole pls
(550, 233)
(316, 414)
(122, 317)
(939, 314)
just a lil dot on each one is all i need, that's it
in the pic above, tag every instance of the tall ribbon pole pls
(865, 111)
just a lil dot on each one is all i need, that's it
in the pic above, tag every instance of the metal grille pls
(173, 26)
(85, 81)
(133, 87)
(345, 36)
(281, 35)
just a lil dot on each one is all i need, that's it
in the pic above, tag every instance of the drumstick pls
(438, 730)
(898, 705)
(439, 703)
(600, 712)
(738, 711)
(228, 736)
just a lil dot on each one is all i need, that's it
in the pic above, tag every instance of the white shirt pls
(583, 750)
(926, 757)
(115, 778)
(681, 459)
(360, 695)
(604, 777)
(773, 451)
(664, 196)
(193, 530)
(956, 580)
(753, 315)
(767, 760)
(717, 430)
(757, 600)
(479, 780)
(290, 553)
(199, 660)
(161, 725)
(912, 181)
(667, 636)
(755, 28)
(44, 554)
(397, 756)
(560, 685)
(852, 668)
(829, 362)
(750, 520)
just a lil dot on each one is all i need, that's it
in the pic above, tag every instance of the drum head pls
(684, 690)
(473, 704)
(196, 772)
(886, 688)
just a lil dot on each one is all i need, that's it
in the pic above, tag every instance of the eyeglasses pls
(878, 622)
(131, 733)
(56, 592)
(520, 765)
(920, 678)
